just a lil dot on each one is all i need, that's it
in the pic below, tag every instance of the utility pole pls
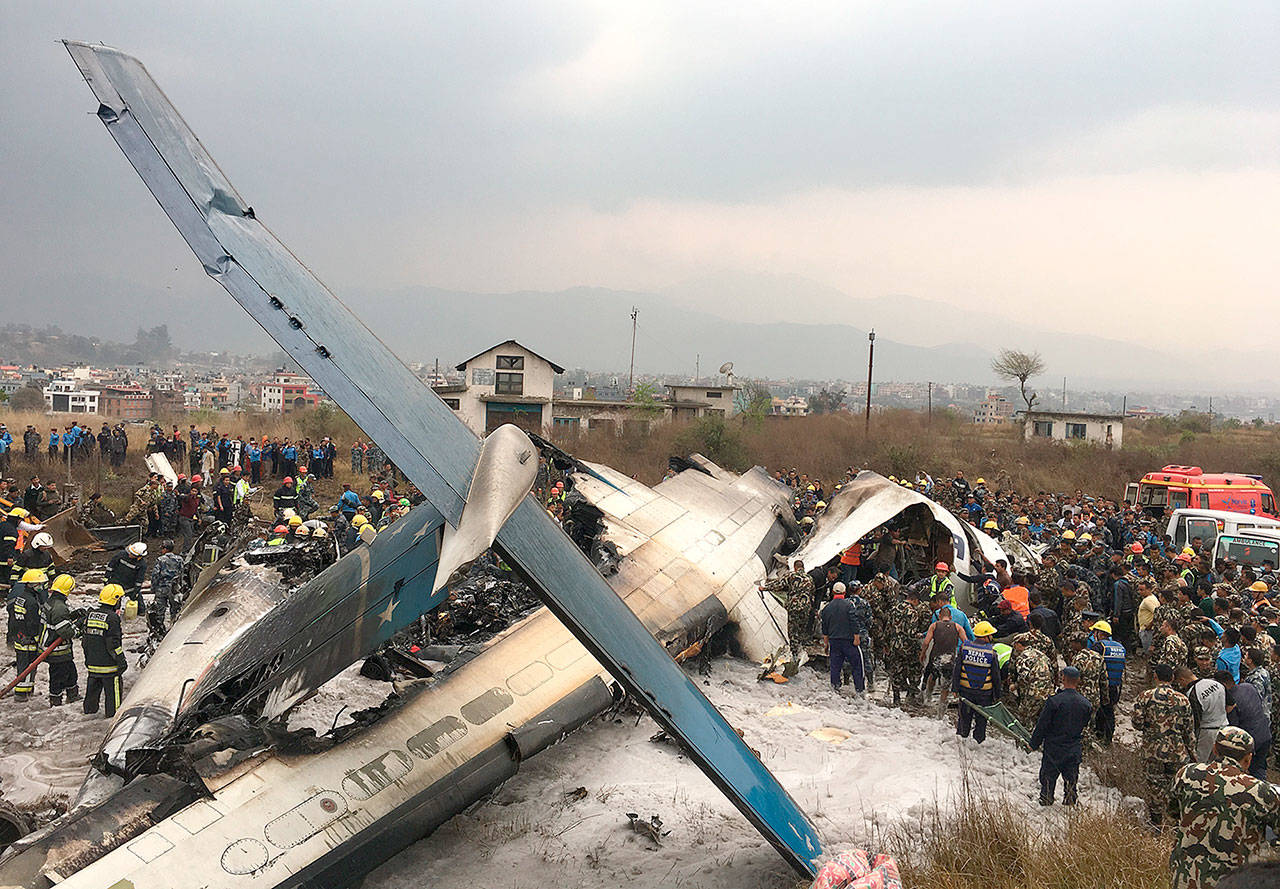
(1064, 393)
(931, 401)
(871, 362)
(631, 377)
(697, 367)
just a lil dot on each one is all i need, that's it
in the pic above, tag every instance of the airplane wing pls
(417, 430)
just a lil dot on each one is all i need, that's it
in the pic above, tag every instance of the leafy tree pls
(717, 439)
(828, 401)
(27, 398)
(753, 400)
(1021, 366)
(646, 396)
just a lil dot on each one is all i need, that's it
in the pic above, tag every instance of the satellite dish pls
(727, 367)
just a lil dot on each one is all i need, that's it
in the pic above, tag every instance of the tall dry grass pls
(904, 442)
(984, 843)
(899, 442)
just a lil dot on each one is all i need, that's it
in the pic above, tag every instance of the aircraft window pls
(377, 775)
(529, 678)
(437, 736)
(566, 655)
(481, 709)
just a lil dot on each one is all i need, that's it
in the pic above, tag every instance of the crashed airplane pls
(195, 778)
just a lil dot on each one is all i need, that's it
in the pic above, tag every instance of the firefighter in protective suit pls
(60, 628)
(24, 625)
(104, 652)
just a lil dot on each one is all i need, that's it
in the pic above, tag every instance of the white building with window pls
(1106, 430)
(66, 397)
(507, 383)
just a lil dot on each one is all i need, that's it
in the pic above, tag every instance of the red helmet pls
(942, 566)
(1135, 547)
(279, 529)
(288, 480)
(196, 479)
(181, 476)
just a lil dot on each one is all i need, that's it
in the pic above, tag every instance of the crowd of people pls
(177, 512)
(1110, 617)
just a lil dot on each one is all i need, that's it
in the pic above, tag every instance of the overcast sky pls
(1098, 165)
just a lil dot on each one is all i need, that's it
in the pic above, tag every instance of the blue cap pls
(1071, 672)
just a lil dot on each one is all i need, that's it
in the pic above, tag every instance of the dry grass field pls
(899, 442)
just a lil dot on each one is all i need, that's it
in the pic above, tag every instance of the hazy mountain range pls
(917, 339)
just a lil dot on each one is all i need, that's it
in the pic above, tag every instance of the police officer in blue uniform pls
(1113, 657)
(976, 678)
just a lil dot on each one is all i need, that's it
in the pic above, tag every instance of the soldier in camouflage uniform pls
(795, 590)
(1167, 610)
(882, 594)
(908, 621)
(145, 500)
(1163, 715)
(1169, 648)
(1073, 617)
(1221, 813)
(93, 514)
(1049, 582)
(1038, 640)
(1093, 675)
(167, 506)
(166, 589)
(1034, 679)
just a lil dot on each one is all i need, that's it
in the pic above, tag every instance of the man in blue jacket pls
(1059, 731)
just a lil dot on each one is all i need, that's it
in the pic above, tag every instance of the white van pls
(1252, 546)
(1209, 524)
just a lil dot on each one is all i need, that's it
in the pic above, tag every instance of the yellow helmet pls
(982, 481)
(1023, 520)
(378, 495)
(34, 575)
(359, 520)
(1086, 536)
(908, 485)
(1102, 626)
(990, 525)
(111, 594)
(18, 513)
(295, 521)
(63, 583)
(821, 504)
(983, 628)
(893, 478)
(1068, 535)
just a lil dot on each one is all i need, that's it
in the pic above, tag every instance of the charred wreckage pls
(198, 774)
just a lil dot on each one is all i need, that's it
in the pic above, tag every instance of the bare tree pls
(1021, 366)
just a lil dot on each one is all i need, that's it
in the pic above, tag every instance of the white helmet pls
(136, 549)
(41, 540)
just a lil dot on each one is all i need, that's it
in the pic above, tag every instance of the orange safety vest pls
(852, 555)
(1017, 597)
